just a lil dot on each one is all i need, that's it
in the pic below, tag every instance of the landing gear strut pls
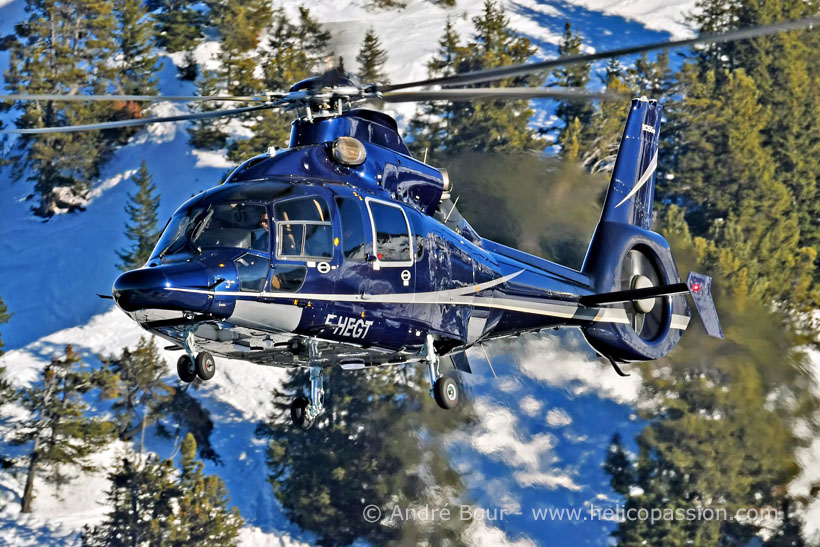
(303, 411)
(444, 390)
(194, 364)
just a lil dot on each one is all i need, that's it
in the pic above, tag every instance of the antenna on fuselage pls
(453, 208)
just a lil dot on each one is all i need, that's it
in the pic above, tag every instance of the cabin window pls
(287, 277)
(391, 234)
(353, 243)
(304, 228)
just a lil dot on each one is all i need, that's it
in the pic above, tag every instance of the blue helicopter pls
(344, 250)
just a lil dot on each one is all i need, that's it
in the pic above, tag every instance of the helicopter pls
(343, 250)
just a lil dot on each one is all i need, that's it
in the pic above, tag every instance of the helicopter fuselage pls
(344, 250)
(365, 271)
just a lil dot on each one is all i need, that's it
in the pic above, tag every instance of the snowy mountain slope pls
(237, 400)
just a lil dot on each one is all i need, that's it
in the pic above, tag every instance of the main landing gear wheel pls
(205, 365)
(186, 369)
(305, 411)
(445, 391)
(299, 413)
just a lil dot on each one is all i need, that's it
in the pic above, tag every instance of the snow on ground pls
(527, 458)
(237, 398)
(655, 14)
(544, 426)
(809, 460)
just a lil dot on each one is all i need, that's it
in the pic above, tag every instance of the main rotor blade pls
(131, 123)
(157, 98)
(489, 75)
(501, 93)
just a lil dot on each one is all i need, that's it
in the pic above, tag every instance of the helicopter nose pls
(154, 288)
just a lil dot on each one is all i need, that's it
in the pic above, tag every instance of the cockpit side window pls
(304, 228)
(236, 225)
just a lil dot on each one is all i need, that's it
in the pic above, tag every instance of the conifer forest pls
(716, 444)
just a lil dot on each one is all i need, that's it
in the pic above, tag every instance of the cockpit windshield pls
(236, 225)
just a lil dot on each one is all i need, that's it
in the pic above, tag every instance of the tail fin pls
(632, 186)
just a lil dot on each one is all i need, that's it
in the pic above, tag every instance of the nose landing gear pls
(203, 366)
(185, 368)
(189, 366)
(304, 412)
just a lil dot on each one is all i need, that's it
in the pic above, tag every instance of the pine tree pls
(137, 63)
(372, 58)
(203, 516)
(430, 127)
(713, 440)
(598, 142)
(207, 134)
(652, 79)
(494, 125)
(733, 194)
(358, 453)
(153, 504)
(178, 25)
(134, 382)
(240, 24)
(142, 496)
(785, 72)
(618, 466)
(7, 393)
(142, 230)
(62, 48)
(186, 415)
(387, 4)
(189, 69)
(5, 316)
(59, 432)
(294, 52)
(576, 75)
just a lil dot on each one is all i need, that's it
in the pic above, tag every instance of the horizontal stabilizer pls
(618, 297)
(700, 287)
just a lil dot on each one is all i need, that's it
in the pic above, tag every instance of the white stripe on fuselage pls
(462, 296)
(653, 164)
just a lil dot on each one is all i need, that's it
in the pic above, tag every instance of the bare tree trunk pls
(142, 435)
(28, 491)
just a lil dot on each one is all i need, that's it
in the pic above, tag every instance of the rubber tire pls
(446, 392)
(298, 413)
(205, 365)
(185, 369)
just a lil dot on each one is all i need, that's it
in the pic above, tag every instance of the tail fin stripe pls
(650, 169)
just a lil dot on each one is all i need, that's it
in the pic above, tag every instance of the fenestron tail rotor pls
(332, 91)
(647, 316)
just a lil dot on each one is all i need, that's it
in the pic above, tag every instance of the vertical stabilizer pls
(632, 187)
